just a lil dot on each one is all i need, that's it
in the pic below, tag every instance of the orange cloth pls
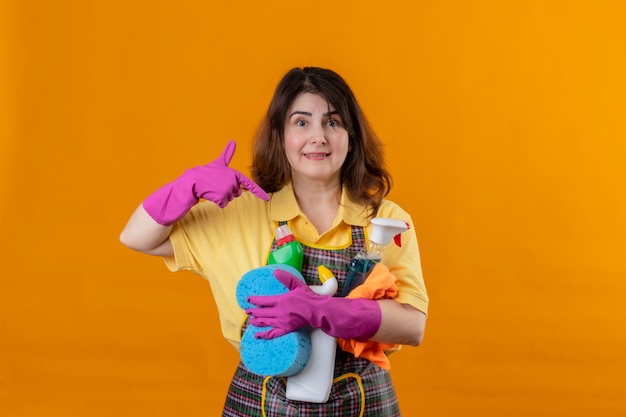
(379, 284)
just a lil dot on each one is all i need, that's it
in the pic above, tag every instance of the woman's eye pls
(332, 123)
(300, 123)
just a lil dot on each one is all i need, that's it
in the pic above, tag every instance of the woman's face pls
(316, 141)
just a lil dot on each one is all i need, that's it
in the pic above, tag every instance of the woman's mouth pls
(316, 155)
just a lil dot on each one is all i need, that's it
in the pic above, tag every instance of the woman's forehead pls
(306, 98)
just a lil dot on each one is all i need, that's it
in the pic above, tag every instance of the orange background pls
(504, 125)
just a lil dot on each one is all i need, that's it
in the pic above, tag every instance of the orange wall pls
(504, 127)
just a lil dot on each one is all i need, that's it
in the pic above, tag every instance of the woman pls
(322, 168)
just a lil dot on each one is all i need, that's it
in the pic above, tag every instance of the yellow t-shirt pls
(221, 245)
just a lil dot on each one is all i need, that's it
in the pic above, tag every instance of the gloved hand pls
(214, 181)
(346, 318)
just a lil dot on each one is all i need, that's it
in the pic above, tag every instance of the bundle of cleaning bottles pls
(313, 383)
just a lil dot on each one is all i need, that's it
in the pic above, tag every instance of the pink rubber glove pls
(346, 318)
(214, 181)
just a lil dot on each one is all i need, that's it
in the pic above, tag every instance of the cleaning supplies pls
(289, 250)
(285, 355)
(383, 231)
(288, 354)
(313, 383)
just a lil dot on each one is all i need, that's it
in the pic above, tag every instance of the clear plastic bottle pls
(383, 231)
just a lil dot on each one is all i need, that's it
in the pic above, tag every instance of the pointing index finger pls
(252, 186)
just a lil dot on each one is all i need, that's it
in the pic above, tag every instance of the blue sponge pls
(261, 281)
(283, 356)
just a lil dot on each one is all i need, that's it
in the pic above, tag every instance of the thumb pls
(227, 153)
(288, 279)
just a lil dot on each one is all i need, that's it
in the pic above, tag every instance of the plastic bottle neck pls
(375, 250)
(285, 239)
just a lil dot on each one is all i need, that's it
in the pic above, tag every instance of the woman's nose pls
(318, 135)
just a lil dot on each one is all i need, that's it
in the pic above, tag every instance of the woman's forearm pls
(143, 234)
(401, 323)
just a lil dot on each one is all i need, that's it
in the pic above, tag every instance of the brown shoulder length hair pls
(363, 175)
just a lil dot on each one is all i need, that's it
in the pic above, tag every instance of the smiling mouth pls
(316, 155)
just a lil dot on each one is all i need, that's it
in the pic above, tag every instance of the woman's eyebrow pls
(306, 113)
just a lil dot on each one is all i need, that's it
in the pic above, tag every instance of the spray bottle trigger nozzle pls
(397, 239)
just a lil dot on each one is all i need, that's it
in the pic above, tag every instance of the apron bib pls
(360, 388)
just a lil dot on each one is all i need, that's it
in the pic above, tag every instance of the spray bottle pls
(383, 231)
(289, 250)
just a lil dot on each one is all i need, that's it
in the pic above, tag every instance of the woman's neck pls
(319, 202)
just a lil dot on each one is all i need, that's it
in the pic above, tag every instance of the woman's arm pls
(145, 235)
(401, 324)
(347, 318)
(148, 229)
